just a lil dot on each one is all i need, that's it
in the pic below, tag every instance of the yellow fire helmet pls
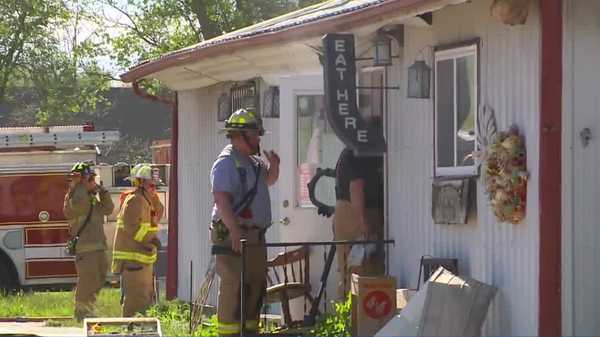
(242, 120)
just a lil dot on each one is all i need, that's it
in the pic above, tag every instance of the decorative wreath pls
(506, 175)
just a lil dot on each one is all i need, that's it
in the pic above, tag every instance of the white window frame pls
(296, 94)
(367, 70)
(453, 54)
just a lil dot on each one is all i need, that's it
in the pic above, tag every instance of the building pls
(538, 75)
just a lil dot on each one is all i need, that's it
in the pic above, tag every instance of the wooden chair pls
(288, 277)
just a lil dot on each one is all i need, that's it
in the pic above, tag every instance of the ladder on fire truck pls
(56, 136)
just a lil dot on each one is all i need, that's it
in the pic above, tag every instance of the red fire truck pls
(34, 163)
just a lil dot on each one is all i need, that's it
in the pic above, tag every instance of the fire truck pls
(34, 163)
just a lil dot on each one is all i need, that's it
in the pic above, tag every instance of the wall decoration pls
(506, 175)
(486, 133)
(511, 12)
(450, 201)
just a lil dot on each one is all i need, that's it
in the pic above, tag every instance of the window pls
(455, 110)
(371, 100)
(317, 146)
(271, 102)
(245, 96)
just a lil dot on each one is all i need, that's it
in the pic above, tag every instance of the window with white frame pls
(456, 103)
(371, 99)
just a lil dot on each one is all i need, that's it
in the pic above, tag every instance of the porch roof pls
(309, 22)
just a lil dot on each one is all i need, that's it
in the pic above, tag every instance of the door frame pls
(288, 94)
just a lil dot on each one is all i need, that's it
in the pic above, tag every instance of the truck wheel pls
(8, 282)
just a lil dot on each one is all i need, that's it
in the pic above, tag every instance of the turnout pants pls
(91, 275)
(137, 283)
(346, 226)
(228, 267)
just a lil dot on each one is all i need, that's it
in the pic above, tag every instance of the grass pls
(55, 304)
(173, 315)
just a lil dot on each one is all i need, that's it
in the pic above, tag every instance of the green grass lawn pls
(173, 315)
(55, 304)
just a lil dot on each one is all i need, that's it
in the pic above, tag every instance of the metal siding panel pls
(501, 254)
(581, 240)
(270, 141)
(199, 144)
(567, 171)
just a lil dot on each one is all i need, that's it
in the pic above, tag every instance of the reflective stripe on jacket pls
(136, 229)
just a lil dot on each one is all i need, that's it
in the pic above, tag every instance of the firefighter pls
(242, 209)
(136, 243)
(85, 206)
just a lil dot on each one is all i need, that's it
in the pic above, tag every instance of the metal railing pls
(324, 275)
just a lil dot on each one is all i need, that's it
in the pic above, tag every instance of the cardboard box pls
(373, 303)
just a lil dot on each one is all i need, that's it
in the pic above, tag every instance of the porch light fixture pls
(419, 80)
(383, 51)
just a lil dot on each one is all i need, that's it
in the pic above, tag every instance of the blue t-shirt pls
(226, 176)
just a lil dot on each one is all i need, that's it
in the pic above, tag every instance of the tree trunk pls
(208, 27)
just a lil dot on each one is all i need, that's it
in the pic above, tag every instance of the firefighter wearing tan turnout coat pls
(85, 206)
(136, 243)
(240, 184)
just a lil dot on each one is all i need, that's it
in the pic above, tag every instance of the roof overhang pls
(284, 51)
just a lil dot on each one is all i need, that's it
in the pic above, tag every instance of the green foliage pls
(174, 320)
(51, 51)
(44, 52)
(23, 24)
(149, 28)
(337, 323)
(173, 317)
(208, 328)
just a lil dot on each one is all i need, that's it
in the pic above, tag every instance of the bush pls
(337, 323)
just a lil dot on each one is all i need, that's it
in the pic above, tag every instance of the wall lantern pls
(383, 51)
(419, 78)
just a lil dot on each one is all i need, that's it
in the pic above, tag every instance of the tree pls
(149, 28)
(129, 149)
(23, 22)
(46, 57)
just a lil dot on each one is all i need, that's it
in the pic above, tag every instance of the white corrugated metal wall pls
(581, 233)
(501, 254)
(199, 145)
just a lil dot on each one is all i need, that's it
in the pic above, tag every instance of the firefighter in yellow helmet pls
(136, 243)
(242, 209)
(85, 206)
